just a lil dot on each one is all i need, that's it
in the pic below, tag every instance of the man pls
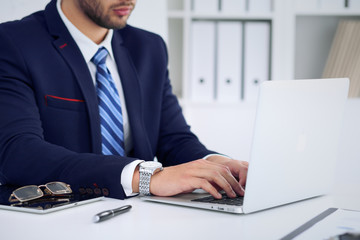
(52, 126)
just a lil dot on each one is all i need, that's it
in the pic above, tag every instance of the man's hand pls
(238, 168)
(214, 174)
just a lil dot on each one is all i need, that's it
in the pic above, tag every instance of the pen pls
(110, 213)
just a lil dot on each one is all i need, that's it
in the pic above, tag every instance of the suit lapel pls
(67, 47)
(132, 93)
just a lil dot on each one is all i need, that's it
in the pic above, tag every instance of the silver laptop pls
(294, 148)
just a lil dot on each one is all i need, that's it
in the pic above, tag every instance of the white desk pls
(158, 221)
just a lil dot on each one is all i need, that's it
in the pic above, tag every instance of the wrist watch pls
(147, 169)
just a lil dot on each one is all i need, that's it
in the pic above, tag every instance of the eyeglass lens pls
(28, 192)
(58, 188)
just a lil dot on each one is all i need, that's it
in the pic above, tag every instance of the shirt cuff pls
(214, 154)
(127, 177)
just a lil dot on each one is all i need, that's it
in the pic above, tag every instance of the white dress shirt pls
(88, 49)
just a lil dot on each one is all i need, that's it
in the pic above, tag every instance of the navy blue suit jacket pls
(49, 118)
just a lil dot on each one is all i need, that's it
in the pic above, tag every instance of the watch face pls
(151, 164)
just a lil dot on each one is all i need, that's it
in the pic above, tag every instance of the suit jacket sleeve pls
(169, 135)
(177, 144)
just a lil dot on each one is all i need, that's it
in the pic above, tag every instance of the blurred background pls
(221, 50)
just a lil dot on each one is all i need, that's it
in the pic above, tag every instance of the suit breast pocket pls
(65, 103)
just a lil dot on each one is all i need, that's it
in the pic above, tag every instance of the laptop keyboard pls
(237, 201)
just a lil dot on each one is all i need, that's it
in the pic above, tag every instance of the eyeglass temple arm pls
(12, 198)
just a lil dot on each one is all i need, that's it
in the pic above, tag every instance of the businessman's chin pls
(113, 22)
(110, 17)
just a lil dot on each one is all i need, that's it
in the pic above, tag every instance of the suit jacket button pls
(97, 191)
(105, 192)
(82, 191)
(89, 191)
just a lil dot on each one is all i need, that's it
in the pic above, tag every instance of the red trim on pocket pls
(62, 46)
(61, 98)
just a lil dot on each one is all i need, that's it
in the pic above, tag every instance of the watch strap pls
(144, 185)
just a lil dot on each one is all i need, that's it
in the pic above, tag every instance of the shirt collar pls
(87, 47)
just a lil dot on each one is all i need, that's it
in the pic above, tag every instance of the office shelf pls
(301, 37)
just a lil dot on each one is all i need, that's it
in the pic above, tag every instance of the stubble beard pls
(94, 11)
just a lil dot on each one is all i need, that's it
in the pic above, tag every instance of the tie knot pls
(100, 56)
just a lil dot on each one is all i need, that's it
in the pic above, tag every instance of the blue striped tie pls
(111, 119)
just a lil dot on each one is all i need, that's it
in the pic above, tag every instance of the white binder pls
(332, 4)
(354, 4)
(260, 6)
(202, 61)
(229, 52)
(256, 57)
(233, 6)
(307, 5)
(205, 6)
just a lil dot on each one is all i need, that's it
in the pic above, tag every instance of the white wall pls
(349, 151)
(224, 127)
(149, 15)
(16, 9)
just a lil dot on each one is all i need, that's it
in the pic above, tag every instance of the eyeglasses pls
(31, 192)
